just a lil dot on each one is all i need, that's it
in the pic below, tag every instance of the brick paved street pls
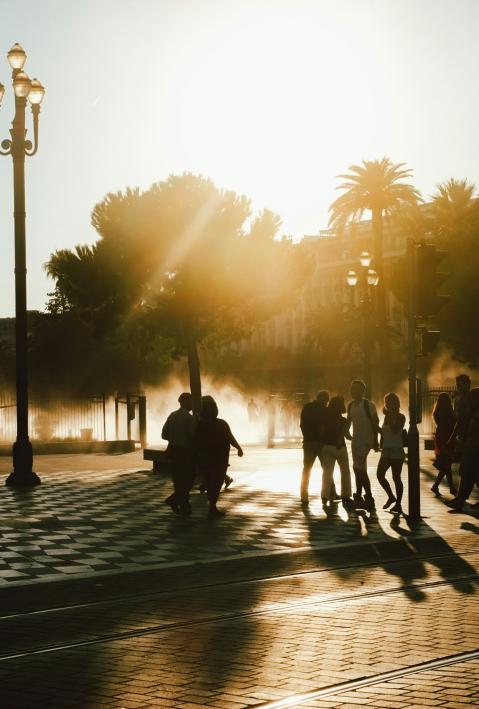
(122, 604)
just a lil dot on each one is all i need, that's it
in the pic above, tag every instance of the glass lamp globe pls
(37, 92)
(17, 57)
(351, 278)
(365, 259)
(21, 85)
(373, 278)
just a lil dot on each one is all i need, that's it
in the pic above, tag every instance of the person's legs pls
(328, 458)
(396, 467)
(310, 452)
(383, 466)
(183, 478)
(467, 475)
(360, 458)
(343, 462)
(215, 479)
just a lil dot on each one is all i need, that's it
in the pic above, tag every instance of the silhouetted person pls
(253, 413)
(392, 451)
(363, 416)
(179, 430)
(462, 411)
(213, 439)
(470, 453)
(334, 451)
(445, 420)
(312, 423)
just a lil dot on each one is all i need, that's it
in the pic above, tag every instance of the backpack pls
(367, 411)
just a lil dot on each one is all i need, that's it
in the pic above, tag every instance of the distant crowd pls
(200, 445)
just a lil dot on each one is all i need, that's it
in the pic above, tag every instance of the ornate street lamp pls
(18, 147)
(368, 278)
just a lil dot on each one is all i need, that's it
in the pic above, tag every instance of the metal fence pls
(428, 401)
(60, 419)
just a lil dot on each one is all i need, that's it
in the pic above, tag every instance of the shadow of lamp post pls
(367, 279)
(18, 147)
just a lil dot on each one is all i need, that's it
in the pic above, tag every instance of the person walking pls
(470, 454)
(393, 439)
(462, 411)
(179, 430)
(363, 417)
(334, 451)
(445, 420)
(213, 439)
(312, 422)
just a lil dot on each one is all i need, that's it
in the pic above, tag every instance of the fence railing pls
(60, 419)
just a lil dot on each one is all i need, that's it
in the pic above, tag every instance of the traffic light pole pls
(414, 492)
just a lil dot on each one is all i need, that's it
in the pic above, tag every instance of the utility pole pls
(414, 490)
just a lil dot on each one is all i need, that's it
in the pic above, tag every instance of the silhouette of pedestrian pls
(445, 420)
(312, 422)
(363, 416)
(392, 451)
(253, 413)
(179, 430)
(213, 439)
(470, 454)
(462, 409)
(334, 451)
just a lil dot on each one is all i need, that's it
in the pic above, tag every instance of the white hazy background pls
(271, 98)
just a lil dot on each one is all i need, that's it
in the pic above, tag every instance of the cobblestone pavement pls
(454, 687)
(261, 606)
(104, 514)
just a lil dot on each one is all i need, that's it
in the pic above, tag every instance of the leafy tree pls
(181, 259)
(455, 225)
(375, 186)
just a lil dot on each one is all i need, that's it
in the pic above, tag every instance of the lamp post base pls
(28, 479)
(22, 475)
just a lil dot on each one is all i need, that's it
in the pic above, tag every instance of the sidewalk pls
(96, 515)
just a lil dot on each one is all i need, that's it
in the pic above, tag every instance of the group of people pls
(457, 440)
(325, 425)
(198, 444)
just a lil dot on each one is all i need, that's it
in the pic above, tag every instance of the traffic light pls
(426, 341)
(429, 280)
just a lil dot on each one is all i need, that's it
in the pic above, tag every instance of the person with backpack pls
(393, 440)
(363, 417)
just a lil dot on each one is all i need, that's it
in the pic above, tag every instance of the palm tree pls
(375, 186)
(455, 209)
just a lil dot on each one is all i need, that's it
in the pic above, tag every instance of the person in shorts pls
(392, 451)
(363, 417)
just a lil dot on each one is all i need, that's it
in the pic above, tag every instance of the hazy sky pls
(270, 98)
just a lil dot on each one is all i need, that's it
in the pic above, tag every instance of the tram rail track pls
(227, 617)
(368, 681)
(231, 583)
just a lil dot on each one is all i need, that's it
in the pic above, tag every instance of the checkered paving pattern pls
(97, 514)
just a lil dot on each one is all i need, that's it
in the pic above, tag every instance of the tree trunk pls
(195, 373)
(377, 220)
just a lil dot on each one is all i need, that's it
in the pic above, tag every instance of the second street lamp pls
(367, 278)
(18, 147)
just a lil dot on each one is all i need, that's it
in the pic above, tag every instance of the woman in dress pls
(445, 420)
(392, 451)
(213, 439)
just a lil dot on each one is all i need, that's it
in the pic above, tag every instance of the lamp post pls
(18, 147)
(367, 279)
